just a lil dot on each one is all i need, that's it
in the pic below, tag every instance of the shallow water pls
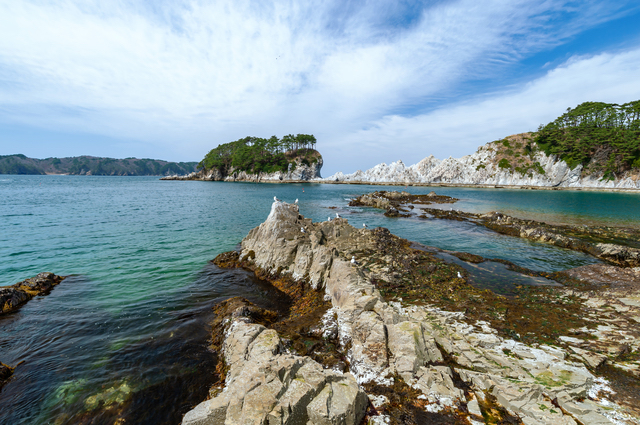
(129, 328)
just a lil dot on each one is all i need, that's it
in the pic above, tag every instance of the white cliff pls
(482, 168)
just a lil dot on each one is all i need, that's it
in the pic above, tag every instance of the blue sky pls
(374, 81)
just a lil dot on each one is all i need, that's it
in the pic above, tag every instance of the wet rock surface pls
(424, 344)
(12, 297)
(618, 246)
(5, 373)
(396, 203)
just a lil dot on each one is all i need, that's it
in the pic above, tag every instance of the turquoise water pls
(130, 324)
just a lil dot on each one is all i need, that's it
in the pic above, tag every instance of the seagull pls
(353, 261)
(328, 218)
(296, 201)
(337, 215)
(364, 225)
(459, 275)
(276, 199)
(302, 229)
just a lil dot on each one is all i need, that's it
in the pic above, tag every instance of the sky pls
(374, 81)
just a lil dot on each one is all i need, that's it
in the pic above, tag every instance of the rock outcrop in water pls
(301, 172)
(12, 297)
(5, 374)
(505, 163)
(417, 363)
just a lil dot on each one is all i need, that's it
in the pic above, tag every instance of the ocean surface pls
(125, 337)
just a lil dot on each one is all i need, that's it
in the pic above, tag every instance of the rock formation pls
(12, 297)
(484, 167)
(413, 361)
(301, 172)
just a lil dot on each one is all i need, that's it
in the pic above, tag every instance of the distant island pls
(291, 158)
(594, 145)
(93, 166)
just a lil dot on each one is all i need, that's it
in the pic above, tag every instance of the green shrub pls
(504, 163)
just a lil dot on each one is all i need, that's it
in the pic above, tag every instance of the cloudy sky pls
(374, 81)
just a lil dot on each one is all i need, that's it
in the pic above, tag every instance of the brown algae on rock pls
(410, 329)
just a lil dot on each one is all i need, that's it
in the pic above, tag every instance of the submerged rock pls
(12, 297)
(5, 374)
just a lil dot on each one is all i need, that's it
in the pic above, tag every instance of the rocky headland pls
(12, 297)
(384, 331)
(515, 161)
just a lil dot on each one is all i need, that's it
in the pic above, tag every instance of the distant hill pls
(96, 166)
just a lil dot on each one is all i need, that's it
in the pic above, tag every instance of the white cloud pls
(458, 130)
(184, 77)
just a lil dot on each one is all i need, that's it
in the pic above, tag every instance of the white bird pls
(302, 229)
(276, 199)
(296, 201)
(459, 275)
(328, 218)
(364, 225)
(337, 215)
(353, 260)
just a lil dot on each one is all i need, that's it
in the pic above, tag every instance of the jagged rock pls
(12, 297)
(265, 385)
(450, 362)
(482, 168)
(301, 172)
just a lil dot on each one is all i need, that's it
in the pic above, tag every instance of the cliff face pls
(301, 172)
(510, 161)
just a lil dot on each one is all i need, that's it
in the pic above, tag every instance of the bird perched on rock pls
(337, 215)
(459, 275)
(302, 230)
(328, 218)
(296, 202)
(364, 225)
(353, 261)
(276, 199)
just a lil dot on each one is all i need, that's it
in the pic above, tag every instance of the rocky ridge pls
(301, 172)
(446, 364)
(523, 167)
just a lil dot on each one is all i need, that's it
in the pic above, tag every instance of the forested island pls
(91, 165)
(255, 159)
(257, 155)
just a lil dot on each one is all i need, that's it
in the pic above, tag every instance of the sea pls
(125, 338)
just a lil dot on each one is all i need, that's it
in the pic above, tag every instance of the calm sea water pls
(129, 328)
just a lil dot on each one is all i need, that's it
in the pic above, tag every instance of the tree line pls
(606, 132)
(256, 155)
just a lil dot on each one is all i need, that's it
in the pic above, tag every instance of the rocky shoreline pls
(515, 161)
(382, 331)
(301, 173)
(614, 245)
(14, 296)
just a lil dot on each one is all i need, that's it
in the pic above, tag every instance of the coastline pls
(408, 334)
(417, 184)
